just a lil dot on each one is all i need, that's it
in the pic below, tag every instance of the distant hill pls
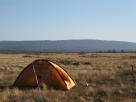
(66, 46)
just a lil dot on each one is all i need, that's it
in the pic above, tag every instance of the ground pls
(99, 77)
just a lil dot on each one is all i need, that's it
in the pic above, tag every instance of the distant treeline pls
(37, 52)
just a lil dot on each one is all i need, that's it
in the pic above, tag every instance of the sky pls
(68, 19)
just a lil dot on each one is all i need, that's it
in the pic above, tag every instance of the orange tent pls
(44, 72)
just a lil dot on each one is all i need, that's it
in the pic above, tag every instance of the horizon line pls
(67, 40)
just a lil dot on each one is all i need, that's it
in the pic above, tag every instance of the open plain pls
(99, 77)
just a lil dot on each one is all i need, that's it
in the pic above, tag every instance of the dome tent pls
(44, 72)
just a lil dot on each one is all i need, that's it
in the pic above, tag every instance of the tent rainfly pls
(44, 72)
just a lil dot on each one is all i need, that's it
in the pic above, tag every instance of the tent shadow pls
(43, 87)
(3, 87)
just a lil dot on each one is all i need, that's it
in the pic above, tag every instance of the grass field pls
(100, 77)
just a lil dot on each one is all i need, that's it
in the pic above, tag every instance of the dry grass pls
(106, 77)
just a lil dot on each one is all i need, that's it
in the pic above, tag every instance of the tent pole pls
(35, 75)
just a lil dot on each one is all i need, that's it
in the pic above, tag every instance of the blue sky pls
(68, 19)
